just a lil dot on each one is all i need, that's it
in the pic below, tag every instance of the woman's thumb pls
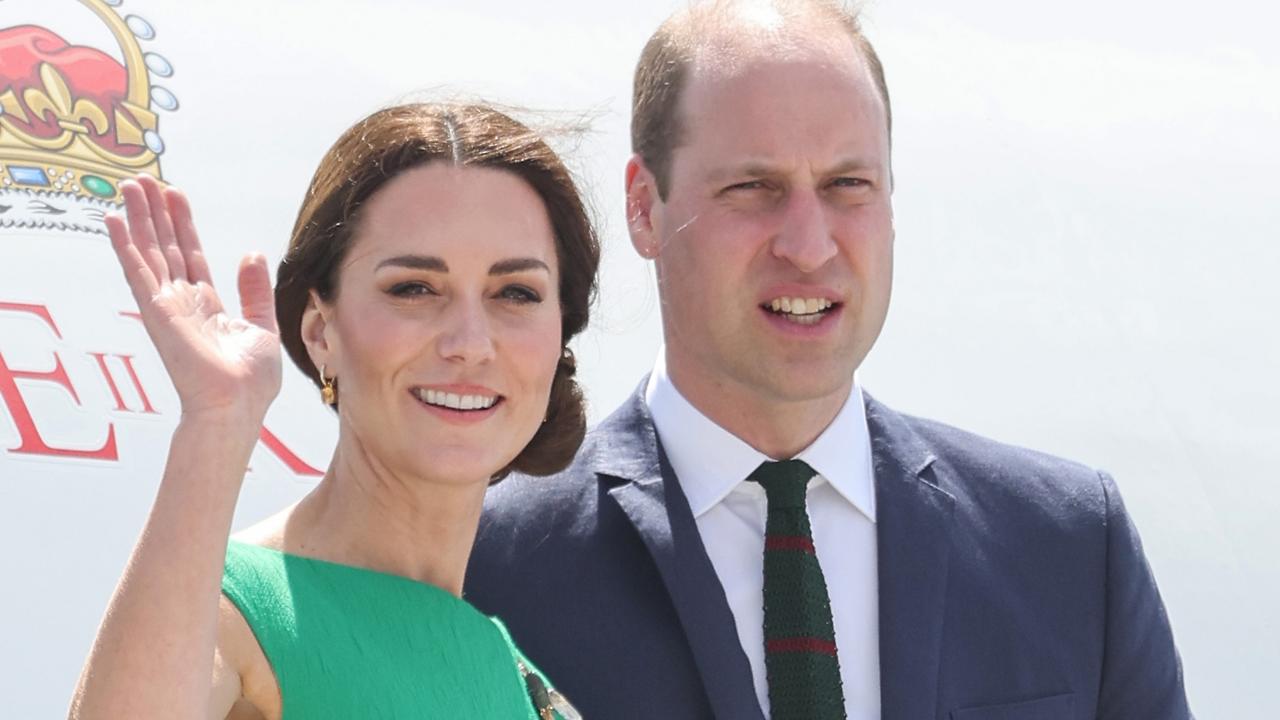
(257, 302)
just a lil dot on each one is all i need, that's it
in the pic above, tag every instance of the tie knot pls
(784, 482)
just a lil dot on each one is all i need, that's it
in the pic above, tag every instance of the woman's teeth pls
(455, 401)
(805, 311)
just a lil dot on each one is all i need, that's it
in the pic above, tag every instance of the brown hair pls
(663, 70)
(391, 141)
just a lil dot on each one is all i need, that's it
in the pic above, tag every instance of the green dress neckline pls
(349, 641)
(442, 593)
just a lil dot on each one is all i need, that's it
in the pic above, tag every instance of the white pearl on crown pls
(153, 141)
(158, 65)
(163, 98)
(141, 28)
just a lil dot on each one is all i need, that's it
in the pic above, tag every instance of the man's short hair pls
(663, 70)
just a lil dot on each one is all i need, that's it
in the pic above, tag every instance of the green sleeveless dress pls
(347, 642)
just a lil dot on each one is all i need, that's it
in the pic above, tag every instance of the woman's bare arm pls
(153, 657)
(154, 653)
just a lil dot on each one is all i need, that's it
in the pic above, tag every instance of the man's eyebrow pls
(415, 262)
(854, 165)
(515, 265)
(752, 168)
(758, 168)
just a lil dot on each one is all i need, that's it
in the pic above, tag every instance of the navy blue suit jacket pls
(1012, 584)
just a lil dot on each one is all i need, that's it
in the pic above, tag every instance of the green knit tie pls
(799, 638)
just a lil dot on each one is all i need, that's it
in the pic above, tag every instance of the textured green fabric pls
(347, 642)
(801, 662)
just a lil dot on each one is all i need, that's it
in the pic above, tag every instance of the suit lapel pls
(648, 493)
(913, 521)
(914, 518)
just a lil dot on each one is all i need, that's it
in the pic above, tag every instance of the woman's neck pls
(364, 514)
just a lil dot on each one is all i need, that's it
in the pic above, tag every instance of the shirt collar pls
(711, 462)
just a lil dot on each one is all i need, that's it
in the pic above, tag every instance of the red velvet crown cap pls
(90, 74)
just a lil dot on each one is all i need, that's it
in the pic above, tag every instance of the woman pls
(440, 263)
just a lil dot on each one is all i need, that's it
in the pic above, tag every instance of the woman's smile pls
(459, 404)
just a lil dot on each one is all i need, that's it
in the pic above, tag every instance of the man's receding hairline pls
(726, 31)
(710, 57)
(716, 47)
(700, 26)
(721, 35)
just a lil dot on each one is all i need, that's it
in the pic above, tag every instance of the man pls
(918, 572)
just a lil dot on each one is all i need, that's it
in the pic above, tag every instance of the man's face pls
(779, 193)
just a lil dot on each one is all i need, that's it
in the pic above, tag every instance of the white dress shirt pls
(713, 465)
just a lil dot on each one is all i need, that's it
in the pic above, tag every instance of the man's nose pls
(468, 335)
(805, 239)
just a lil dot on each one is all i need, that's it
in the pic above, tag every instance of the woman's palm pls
(214, 360)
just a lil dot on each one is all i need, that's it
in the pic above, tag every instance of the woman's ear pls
(315, 326)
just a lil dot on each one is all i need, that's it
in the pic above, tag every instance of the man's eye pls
(853, 182)
(749, 185)
(520, 294)
(410, 289)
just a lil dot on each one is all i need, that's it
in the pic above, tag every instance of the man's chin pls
(803, 383)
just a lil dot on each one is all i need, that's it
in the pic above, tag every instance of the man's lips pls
(798, 305)
(801, 294)
(807, 323)
(802, 305)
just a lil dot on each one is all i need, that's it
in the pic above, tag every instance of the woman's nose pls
(467, 336)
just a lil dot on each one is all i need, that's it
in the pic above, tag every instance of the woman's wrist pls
(231, 419)
(226, 432)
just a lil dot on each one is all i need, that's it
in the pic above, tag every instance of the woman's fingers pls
(184, 229)
(257, 302)
(142, 283)
(142, 230)
(163, 226)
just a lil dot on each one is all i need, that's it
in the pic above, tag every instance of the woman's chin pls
(461, 466)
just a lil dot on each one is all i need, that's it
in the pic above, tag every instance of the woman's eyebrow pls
(515, 265)
(415, 262)
(431, 262)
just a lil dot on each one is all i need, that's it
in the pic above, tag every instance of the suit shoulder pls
(983, 470)
(951, 442)
(565, 492)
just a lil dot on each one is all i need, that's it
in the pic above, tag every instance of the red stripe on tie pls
(800, 644)
(789, 542)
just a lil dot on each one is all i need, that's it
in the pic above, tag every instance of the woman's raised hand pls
(217, 363)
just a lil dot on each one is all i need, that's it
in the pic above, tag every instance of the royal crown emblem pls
(75, 121)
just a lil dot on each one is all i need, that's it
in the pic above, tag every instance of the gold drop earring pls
(327, 392)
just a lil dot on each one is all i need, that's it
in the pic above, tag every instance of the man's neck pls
(777, 427)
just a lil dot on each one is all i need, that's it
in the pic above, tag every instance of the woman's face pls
(445, 333)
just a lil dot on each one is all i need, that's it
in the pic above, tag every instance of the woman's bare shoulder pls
(268, 533)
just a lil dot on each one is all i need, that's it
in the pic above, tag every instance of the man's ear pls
(642, 198)
(315, 333)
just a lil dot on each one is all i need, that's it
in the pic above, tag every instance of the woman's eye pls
(410, 289)
(520, 294)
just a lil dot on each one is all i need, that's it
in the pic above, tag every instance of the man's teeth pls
(800, 306)
(455, 401)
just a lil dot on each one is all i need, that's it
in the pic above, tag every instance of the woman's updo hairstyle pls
(400, 138)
